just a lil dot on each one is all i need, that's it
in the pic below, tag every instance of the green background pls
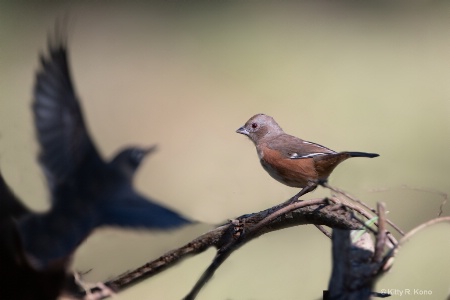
(186, 75)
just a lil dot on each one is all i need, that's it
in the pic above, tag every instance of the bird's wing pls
(10, 205)
(295, 148)
(51, 238)
(134, 210)
(61, 130)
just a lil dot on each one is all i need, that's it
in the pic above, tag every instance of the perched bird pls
(290, 160)
(86, 191)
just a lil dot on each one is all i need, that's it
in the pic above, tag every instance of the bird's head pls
(129, 159)
(260, 126)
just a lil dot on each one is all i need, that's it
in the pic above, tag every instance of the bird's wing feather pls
(10, 205)
(138, 212)
(295, 148)
(61, 130)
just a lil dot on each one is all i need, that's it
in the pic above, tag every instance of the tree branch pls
(357, 263)
(230, 236)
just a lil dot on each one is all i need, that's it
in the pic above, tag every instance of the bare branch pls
(196, 246)
(362, 211)
(348, 279)
(381, 236)
(441, 194)
(415, 230)
(357, 263)
(324, 231)
(229, 237)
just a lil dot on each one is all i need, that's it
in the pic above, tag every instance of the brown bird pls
(290, 160)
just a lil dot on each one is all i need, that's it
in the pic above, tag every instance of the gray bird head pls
(260, 126)
(129, 159)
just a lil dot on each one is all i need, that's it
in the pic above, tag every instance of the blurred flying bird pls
(18, 279)
(290, 160)
(86, 191)
(10, 205)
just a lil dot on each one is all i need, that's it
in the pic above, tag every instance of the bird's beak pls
(243, 131)
(150, 149)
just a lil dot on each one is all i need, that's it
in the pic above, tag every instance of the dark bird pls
(10, 205)
(86, 191)
(18, 279)
(290, 160)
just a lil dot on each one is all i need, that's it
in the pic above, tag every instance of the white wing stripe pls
(296, 156)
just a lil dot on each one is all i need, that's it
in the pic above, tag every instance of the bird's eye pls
(136, 156)
(254, 125)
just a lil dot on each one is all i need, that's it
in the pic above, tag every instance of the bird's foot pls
(101, 291)
(95, 291)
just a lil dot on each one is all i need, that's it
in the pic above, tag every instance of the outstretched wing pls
(61, 130)
(10, 205)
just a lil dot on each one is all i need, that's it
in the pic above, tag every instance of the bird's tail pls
(362, 154)
(138, 212)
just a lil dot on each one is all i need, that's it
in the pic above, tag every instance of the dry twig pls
(230, 236)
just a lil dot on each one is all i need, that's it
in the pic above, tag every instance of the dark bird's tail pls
(362, 154)
(138, 212)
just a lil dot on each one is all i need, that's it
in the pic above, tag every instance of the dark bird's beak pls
(243, 131)
(150, 149)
